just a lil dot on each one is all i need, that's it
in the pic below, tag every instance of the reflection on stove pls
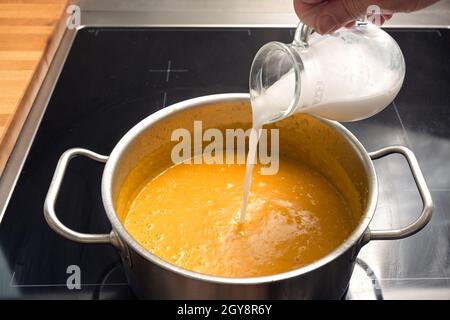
(114, 285)
(364, 284)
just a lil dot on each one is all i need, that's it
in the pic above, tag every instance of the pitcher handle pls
(302, 34)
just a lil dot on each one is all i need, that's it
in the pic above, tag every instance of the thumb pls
(338, 13)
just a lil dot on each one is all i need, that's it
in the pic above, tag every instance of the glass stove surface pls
(114, 77)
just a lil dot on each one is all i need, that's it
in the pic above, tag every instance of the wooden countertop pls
(30, 31)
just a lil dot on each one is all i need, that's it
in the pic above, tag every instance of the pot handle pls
(427, 209)
(52, 194)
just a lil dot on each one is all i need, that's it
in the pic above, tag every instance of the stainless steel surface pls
(427, 210)
(53, 191)
(326, 278)
(20, 151)
(228, 13)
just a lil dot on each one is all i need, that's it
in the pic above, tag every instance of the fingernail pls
(326, 23)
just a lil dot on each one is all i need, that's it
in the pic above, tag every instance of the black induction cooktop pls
(115, 77)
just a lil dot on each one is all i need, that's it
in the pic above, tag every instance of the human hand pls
(328, 16)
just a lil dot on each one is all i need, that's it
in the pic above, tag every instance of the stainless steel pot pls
(324, 144)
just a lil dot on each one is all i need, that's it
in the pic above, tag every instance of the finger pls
(340, 13)
(313, 1)
(308, 12)
(405, 5)
(350, 24)
(379, 20)
(328, 16)
(384, 18)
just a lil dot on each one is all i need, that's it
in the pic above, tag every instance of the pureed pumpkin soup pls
(188, 215)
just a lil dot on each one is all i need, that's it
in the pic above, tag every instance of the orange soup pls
(189, 216)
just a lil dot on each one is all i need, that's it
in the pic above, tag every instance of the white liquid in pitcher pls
(342, 100)
(336, 96)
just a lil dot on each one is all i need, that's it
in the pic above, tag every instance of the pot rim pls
(353, 240)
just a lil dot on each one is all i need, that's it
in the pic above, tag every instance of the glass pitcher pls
(349, 75)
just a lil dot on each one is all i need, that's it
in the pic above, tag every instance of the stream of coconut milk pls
(265, 107)
(272, 102)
